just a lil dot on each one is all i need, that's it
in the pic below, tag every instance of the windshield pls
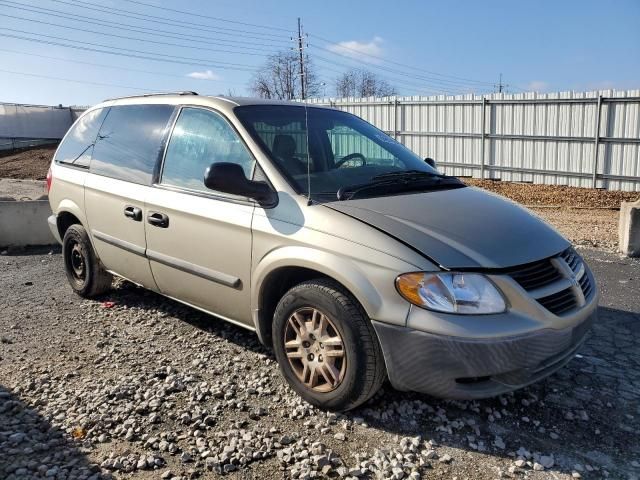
(342, 150)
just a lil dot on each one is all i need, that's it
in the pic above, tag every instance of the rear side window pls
(200, 138)
(130, 142)
(77, 146)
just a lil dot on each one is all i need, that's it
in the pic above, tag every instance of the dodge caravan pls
(351, 257)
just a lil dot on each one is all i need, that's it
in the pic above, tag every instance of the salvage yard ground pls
(136, 385)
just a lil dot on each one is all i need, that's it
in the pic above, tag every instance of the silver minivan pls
(351, 257)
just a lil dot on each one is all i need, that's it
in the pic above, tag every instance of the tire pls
(85, 273)
(356, 375)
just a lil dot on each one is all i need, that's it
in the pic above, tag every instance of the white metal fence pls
(586, 139)
(30, 125)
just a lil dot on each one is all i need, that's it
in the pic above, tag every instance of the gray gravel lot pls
(147, 388)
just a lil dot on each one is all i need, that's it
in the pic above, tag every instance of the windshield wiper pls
(407, 174)
(399, 183)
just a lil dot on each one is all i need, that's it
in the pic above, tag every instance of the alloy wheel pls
(315, 349)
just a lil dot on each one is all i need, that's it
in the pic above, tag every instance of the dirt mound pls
(31, 163)
(555, 195)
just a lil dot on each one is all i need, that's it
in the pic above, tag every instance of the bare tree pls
(363, 83)
(279, 78)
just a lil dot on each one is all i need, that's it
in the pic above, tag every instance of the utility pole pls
(500, 87)
(301, 56)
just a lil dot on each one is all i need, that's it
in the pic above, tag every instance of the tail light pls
(49, 179)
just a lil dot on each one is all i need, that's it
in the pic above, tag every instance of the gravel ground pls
(137, 386)
(597, 228)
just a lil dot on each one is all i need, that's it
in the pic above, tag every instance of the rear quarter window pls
(77, 146)
(130, 142)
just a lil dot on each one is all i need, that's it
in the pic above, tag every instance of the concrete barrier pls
(629, 228)
(24, 223)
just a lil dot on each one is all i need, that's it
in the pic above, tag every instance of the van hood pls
(460, 228)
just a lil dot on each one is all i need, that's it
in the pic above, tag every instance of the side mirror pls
(230, 178)
(431, 162)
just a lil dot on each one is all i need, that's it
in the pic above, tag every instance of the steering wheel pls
(351, 156)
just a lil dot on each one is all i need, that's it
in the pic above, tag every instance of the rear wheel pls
(326, 346)
(85, 273)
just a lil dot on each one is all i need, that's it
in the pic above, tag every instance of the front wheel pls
(326, 346)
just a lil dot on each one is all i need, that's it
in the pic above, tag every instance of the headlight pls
(466, 293)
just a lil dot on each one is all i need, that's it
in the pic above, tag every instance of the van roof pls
(181, 97)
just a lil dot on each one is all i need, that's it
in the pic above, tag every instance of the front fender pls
(371, 283)
(349, 274)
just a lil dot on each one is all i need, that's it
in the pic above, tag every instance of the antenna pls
(306, 123)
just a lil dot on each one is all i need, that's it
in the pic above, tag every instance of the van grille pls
(559, 303)
(586, 287)
(534, 275)
(571, 257)
(545, 273)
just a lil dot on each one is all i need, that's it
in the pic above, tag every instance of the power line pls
(395, 79)
(147, 55)
(102, 65)
(133, 28)
(151, 41)
(401, 83)
(128, 49)
(206, 16)
(377, 57)
(48, 77)
(396, 82)
(431, 80)
(137, 53)
(163, 20)
(133, 38)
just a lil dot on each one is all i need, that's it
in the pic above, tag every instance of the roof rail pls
(187, 92)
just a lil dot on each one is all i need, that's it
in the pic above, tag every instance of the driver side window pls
(345, 141)
(200, 138)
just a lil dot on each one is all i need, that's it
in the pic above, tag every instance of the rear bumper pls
(467, 368)
(53, 226)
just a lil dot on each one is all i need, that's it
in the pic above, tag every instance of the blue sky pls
(421, 47)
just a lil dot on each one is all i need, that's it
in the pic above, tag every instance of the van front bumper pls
(467, 368)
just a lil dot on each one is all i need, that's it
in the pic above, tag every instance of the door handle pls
(134, 213)
(158, 219)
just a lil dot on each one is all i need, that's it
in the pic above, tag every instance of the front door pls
(198, 240)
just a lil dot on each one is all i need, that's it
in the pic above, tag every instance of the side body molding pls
(206, 273)
(202, 272)
(116, 242)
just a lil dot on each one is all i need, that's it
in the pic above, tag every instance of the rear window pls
(77, 146)
(130, 142)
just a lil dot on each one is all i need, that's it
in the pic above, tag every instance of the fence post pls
(483, 136)
(395, 117)
(596, 143)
